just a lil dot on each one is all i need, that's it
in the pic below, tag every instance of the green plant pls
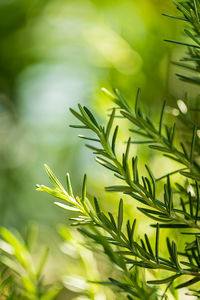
(177, 208)
(21, 277)
(83, 264)
(190, 10)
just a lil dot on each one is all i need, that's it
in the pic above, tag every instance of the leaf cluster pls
(189, 11)
(176, 208)
(143, 189)
(21, 277)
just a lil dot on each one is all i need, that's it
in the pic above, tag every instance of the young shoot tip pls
(108, 93)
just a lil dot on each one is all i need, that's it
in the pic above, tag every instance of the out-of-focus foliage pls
(21, 275)
(54, 54)
(84, 267)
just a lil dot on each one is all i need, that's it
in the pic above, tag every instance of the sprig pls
(143, 188)
(177, 208)
(21, 278)
(121, 246)
(190, 11)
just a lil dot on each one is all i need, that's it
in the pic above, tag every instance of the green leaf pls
(173, 134)
(124, 287)
(106, 164)
(172, 225)
(97, 206)
(153, 180)
(196, 10)
(135, 169)
(157, 242)
(83, 198)
(121, 100)
(114, 138)
(131, 118)
(56, 193)
(149, 245)
(186, 66)
(191, 175)
(69, 186)
(142, 142)
(88, 138)
(143, 252)
(110, 123)
(182, 9)
(54, 179)
(107, 93)
(120, 215)
(112, 220)
(198, 201)
(105, 221)
(91, 116)
(20, 251)
(171, 173)
(190, 79)
(135, 196)
(159, 148)
(78, 126)
(127, 150)
(160, 217)
(194, 38)
(137, 101)
(118, 188)
(191, 266)
(183, 44)
(80, 118)
(188, 283)
(67, 207)
(161, 117)
(165, 280)
(175, 17)
(131, 233)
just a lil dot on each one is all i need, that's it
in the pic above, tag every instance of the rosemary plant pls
(21, 277)
(190, 13)
(177, 208)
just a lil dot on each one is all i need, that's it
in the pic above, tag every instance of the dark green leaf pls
(114, 138)
(84, 188)
(110, 123)
(172, 225)
(188, 283)
(163, 281)
(137, 101)
(159, 148)
(191, 175)
(120, 215)
(161, 117)
(183, 44)
(157, 242)
(97, 206)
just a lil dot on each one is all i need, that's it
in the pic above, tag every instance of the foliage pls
(38, 81)
(177, 207)
(83, 265)
(190, 14)
(21, 277)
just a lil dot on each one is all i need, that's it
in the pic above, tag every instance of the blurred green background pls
(53, 55)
